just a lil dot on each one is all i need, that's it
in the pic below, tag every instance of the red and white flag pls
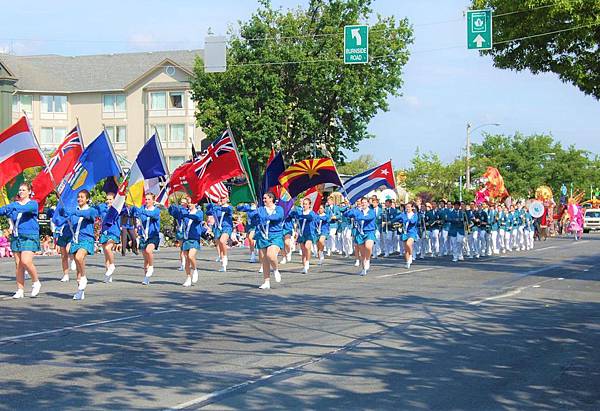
(61, 163)
(315, 196)
(216, 192)
(18, 151)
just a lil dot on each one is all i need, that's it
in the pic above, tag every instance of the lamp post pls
(470, 129)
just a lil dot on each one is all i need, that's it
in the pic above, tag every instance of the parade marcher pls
(410, 221)
(269, 238)
(288, 239)
(422, 233)
(183, 202)
(458, 222)
(364, 222)
(473, 231)
(333, 243)
(149, 217)
(512, 228)
(109, 238)
(128, 234)
(378, 219)
(307, 220)
(223, 227)
(346, 226)
(323, 232)
(504, 230)
(445, 208)
(528, 229)
(25, 239)
(484, 229)
(251, 222)
(387, 228)
(63, 235)
(193, 228)
(493, 222)
(82, 219)
(433, 224)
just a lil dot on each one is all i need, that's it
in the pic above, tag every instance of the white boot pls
(35, 288)
(19, 294)
(195, 276)
(188, 282)
(266, 285)
(65, 278)
(277, 276)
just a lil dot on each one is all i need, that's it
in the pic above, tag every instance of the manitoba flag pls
(61, 162)
(18, 151)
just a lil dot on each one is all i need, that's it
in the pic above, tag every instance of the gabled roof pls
(5, 72)
(105, 72)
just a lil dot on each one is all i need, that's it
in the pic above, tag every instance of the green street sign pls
(356, 44)
(479, 29)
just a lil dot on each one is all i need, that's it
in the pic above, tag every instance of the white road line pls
(545, 248)
(512, 292)
(407, 272)
(86, 325)
(539, 270)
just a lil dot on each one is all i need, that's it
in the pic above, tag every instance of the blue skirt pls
(287, 231)
(64, 240)
(87, 245)
(360, 239)
(262, 243)
(151, 240)
(25, 242)
(105, 238)
(323, 234)
(218, 233)
(303, 239)
(187, 245)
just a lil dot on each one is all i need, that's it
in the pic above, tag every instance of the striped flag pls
(216, 192)
(362, 183)
(18, 150)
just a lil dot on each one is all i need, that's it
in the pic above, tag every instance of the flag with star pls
(308, 173)
(369, 180)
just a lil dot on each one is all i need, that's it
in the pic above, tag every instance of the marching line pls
(407, 272)
(86, 325)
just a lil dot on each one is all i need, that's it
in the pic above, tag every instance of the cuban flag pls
(359, 185)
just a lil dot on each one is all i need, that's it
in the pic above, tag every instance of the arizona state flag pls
(309, 173)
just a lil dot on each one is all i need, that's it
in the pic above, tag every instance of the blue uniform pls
(269, 230)
(307, 224)
(252, 219)
(192, 226)
(113, 232)
(364, 224)
(322, 225)
(150, 225)
(457, 222)
(410, 225)
(26, 230)
(82, 220)
(223, 219)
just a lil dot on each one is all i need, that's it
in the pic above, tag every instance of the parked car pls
(591, 220)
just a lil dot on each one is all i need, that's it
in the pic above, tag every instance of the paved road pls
(514, 332)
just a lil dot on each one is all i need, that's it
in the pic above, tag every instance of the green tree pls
(428, 174)
(362, 163)
(571, 51)
(286, 81)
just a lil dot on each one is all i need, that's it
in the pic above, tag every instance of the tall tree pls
(559, 36)
(286, 82)
(357, 166)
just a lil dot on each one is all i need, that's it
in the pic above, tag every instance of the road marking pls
(545, 248)
(86, 325)
(407, 272)
(510, 293)
(539, 270)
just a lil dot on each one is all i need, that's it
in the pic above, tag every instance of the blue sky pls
(445, 85)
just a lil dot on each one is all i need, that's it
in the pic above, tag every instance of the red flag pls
(61, 163)
(216, 192)
(18, 151)
(315, 196)
(220, 162)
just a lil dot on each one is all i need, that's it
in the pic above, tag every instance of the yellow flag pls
(3, 197)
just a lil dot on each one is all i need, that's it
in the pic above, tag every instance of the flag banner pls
(274, 169)
(218, 163)
(308, 173)
(316, 197)
(216, 192)
(242, 187)
(148, 165)
(11, 189)
(359, 185)
(18, 151)
(61, 162)
(97, 162)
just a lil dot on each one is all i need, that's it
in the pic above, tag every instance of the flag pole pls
(112, 150)
(252, 190)
(237, 152)
(55, 186)
(162, 153)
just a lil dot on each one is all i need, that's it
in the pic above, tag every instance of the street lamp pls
(469, 131)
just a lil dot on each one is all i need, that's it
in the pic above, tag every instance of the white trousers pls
(456, 244)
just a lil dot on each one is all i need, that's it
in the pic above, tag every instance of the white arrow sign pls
(356, 35)
(479, 40)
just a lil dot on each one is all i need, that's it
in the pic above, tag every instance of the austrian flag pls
(18, 151)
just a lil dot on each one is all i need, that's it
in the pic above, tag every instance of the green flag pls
(242, 189)
(11, 189)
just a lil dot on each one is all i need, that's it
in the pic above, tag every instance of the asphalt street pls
(516, 332)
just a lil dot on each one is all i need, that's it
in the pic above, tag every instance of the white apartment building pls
(130, 94)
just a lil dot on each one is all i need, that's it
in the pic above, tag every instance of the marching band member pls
(307, 220)
(378, 212)
(521, 218)
(323, 232)
(25, 239)
(179, 230)
(269, 238)
(433, 225)
(149, 216)
(109, 238)
(457, 220)
(387, 232)
(346, 226)
(82, 220)
(484, 229)
(364, 222)
(445, 208)
(512, 228)
(223, 214)
(473, 231)
(288, 239)
(334, 240)
(422, 232)
(251, 222)
(493, 221)
(504, 230)
(128, 234)
(63, 236)
(410, 221)
(193, 229)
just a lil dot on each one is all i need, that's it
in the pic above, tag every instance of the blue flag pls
(271, 177)
(97, 161)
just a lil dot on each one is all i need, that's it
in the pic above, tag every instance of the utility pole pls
(468, 151)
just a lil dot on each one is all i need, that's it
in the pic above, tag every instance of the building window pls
(54, 104)
(117, 134)
(113, 103)
(177, 133)
(22, 103)
(52, 136)
(158, 101)
(175, 161)
(176, 99)
(161, 129)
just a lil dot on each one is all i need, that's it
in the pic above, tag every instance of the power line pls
(548, 33)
